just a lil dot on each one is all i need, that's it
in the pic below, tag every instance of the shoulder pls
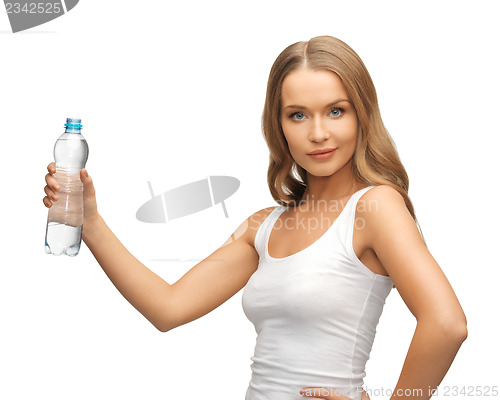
(384, 195)
(385, 215)
(381, 201)
(263, 213)
(251, 225)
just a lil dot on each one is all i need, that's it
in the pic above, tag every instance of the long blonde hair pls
(375, 160)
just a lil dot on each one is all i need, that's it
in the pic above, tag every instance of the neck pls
(334, 187)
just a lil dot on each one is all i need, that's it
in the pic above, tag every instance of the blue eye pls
(338, 112)
(335, 112)
(296, 114)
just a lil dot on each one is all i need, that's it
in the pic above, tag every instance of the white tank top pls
(315, 313)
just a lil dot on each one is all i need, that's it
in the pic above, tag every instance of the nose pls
(318, 132)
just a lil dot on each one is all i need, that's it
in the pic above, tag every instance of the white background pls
(171, 93)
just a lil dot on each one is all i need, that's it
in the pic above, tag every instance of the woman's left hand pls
(328, 394)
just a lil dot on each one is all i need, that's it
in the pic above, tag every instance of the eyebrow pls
(305, 108)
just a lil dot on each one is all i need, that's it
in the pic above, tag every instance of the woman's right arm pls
(203, 288)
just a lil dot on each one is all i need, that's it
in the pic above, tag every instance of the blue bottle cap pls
(73, 123)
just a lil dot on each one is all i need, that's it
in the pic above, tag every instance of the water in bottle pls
(65, 220)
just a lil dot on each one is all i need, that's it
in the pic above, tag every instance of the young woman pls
(317, 268)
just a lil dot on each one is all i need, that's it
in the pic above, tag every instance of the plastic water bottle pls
(65, 219)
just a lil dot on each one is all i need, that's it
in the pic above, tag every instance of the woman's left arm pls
(441, 323)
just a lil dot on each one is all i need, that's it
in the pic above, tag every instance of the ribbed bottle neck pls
(73, 125)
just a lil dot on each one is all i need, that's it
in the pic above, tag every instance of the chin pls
(324, 174)
(318, 171)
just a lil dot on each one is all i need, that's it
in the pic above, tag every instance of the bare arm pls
(142, 288)
(203, 288)
(441, 323)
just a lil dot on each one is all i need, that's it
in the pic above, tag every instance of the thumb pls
(84, 175)
(86, 179)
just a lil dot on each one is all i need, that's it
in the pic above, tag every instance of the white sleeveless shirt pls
(315, 313)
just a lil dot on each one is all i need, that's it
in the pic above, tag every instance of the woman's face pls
(316, 114)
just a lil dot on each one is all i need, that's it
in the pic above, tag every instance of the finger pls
(47, 203)
(51, 195)
(84, 173)
(87, 181)
(51, 167)
(51, 182)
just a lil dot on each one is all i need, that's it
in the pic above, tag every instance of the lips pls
(321, 151)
